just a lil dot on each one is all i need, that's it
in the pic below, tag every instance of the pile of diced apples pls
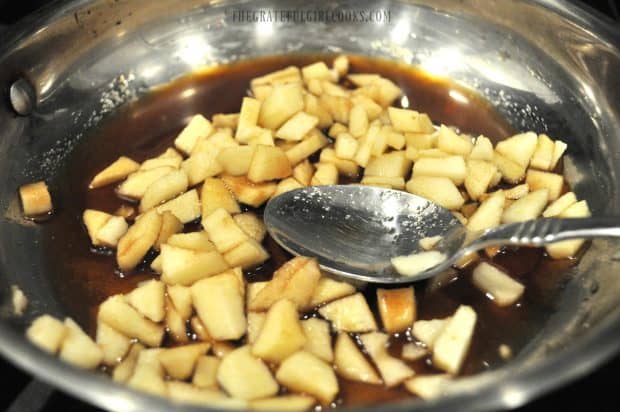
(237, 344)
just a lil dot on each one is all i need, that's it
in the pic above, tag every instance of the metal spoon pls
(354, 231)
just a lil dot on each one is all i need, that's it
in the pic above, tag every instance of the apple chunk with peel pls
(453, 343)
(137, 241)
(47, 333)
(169, 226)
(219, 304)
(306, 373)
(350, 314)
(502, 289)
(318, 338)
(78, 349)
(397, 308)
(179, 362)
(184, 266)
(295, 280)
(528, 207)
(118, 170)
(351, 363)
(392, 370)
(281, 334)
(415, 263)
(116, 312)
(244, 376)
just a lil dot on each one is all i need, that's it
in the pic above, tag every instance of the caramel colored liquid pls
(83, 277)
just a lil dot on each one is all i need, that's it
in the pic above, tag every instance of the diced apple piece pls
(427, 387)
(560, 204)
(170, 158)
(511, 171)
(248, 254)
(336, 129)
(440, 190)
(397, 308)
(489, 213)
(244, 376)
(326, 174)
(203, 161)
(124, 370)
(404, 120)
(198, 241)
(297, 126)
(47, 333)
(187, 393)
(543, 155)
(205, 373)
(179, 362)
(318, 338)
(110, 233)
(175, 323)
(197, 128)
(351, 364)
(452, 167)
(313, 107)
(337, 106)
(410, 265)
(181, 298)
(328, 290)
(345, 167)
(223, 230)
(373, 110)
(248, 118)
(314, 141)
(296, 280)
(303, 172)
(35, 199)
(450, 142)
(427, 331)
(281, 334)
(480, 174)
(185, 207)
(78, 349)
(429, 243)
(136, 183)
(453, 343)
(290, 74)
(394, 164)
(170, 225)
(284, 101)
(392, 370)
(163, 189)
(558, 150)
(413, 352)
(117, 313)
(251, 225)
(358, 121)
(518, 148)
(526, 208)
(94, 220)
(184, 266)
(283, 403)
(287, 185)
(350, 314)
(421, 141)
(219, 304)
(148, 299)
(569, 248)
(248, 192)
(316, 70)
(236, 160)
(304, 372)
(363, 79)
(138, 239)
(482, 150)
(517, 192)
(148, 375)
(346, 146)
(118, 170)
(366, 144)
(496, 284)
(113, 344)
(269, 163)
(255, 324)
(225, 120)
(544, 180)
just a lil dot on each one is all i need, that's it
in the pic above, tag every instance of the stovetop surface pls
(21, 393)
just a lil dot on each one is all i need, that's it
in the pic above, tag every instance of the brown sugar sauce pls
(83, 277)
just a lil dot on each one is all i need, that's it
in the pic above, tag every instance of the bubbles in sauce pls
(83, 278)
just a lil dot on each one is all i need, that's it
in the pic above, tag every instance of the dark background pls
(20, 394)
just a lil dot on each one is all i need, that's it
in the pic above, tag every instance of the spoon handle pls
(540, 232)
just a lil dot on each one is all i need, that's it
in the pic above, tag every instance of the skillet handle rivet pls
(22, 96)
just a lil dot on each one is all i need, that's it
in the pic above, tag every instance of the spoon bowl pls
(354, 231)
